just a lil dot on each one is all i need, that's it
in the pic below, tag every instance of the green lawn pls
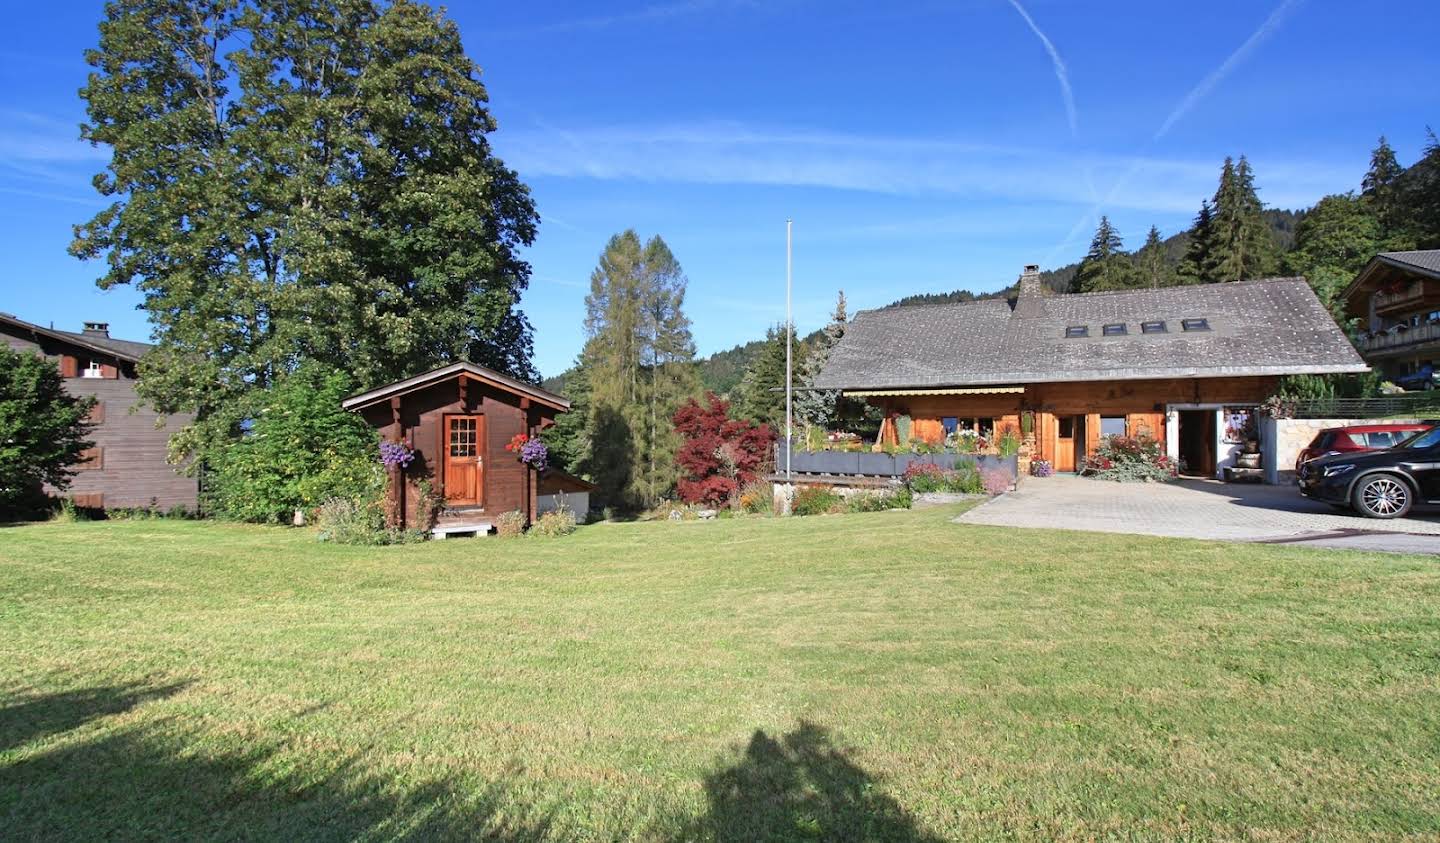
(891, 676)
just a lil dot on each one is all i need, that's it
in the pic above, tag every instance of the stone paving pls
(1203, 509)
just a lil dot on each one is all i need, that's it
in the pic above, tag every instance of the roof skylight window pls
(1075, 332)
(1195, 324)
(1154, 326)
(1116, 329)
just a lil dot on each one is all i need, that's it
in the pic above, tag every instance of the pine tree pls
(762, 390)
(819, 408)
(1194, 267)
(1417, 222)
(639, 363)
(1105, 266)
(1384, 169)
(1151, 260)
(1242, 246)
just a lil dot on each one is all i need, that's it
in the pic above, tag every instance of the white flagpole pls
(789, 340)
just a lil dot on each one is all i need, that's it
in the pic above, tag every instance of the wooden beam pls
(524, 402)
(461, 380)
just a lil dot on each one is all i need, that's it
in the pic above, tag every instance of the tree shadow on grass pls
(159, 778)
(800, 787)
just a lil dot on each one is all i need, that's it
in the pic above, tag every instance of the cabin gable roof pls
(444, 373)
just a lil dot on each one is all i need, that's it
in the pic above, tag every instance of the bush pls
(1130, 459)
(816, 500)
(927, 477)
(719, 455)
(349, 521)
(1042, 468)
(301, 449)
(997, 481)
(880, 502)
(42, 431)
(756, 498)
(510, 524)
(559, 522)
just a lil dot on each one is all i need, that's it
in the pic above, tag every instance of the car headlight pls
(1341, 468)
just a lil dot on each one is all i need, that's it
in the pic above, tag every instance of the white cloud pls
(729, 153)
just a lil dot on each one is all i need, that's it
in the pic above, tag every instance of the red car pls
(1358, 437)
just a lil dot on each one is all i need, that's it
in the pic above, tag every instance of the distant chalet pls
(127, 467)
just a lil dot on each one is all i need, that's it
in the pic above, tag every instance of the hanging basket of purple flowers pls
(531, 452)
(396, 455)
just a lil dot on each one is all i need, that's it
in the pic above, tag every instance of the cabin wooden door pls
(464, 460)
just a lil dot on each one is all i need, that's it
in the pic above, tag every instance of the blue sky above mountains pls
(919, 147)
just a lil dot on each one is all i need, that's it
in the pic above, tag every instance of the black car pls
(1378, 484)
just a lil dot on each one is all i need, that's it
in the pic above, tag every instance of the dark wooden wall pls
(128, 465)
(508, 484)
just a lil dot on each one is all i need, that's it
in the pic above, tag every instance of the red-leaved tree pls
(719, 454)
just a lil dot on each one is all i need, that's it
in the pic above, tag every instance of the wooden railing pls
(1398, 338)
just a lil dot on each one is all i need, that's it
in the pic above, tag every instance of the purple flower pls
(534, 454)
(395, 455)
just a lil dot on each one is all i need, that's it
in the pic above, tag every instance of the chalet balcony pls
(1399, 338)
(1416, 295)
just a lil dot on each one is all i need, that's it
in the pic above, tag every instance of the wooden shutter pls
(69, 366)
(91, 459)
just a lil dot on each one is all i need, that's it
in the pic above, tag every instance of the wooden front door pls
(1069, 431)
(464, 460)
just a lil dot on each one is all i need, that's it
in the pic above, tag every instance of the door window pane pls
(1067, 427)
(462, 437)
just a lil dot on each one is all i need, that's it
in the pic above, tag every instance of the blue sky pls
(918, 146)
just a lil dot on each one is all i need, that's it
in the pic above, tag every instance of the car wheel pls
(1382, 496)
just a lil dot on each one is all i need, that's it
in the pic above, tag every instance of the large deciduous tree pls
(1332, 243)
(300, 179)
(42, 430)
(639, 366)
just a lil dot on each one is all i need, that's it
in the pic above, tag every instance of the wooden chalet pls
(127, 465)
(1184, 365)
(1396, 297)
(458, 419)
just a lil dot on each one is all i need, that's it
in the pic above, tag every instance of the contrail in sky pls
(1191, 99)
(1199, 92)
(1062, 75)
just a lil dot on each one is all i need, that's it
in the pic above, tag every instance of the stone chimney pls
(97, 329)
(1028, 292)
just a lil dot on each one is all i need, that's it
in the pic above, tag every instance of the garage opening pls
(1197, 443)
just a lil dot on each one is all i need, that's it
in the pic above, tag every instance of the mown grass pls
(891, 676)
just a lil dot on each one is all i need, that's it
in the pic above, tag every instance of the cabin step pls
(473, 528)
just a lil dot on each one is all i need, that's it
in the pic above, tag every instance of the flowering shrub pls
(396, 455)
(756, 498)
(1130, 459)
(531, 452)
(1042, 468)
(921, 477)
(558, 522)
(997, 481)
(880, 501)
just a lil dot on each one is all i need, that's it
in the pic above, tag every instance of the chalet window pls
(1116, 329)
(1075, 332)
(950, 423)
(1195, 324)
(984, 425)
(93, 369)
(1155, 326)
(1112, 426)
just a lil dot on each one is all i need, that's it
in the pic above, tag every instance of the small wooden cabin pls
(458, 419)
(1182, 365)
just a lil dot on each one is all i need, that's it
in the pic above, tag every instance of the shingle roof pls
(124, 349)
(1423, 259)
(1267, 327)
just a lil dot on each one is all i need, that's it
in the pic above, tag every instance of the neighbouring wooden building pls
(1184, 365)
(457, 420)
(1396, 297)
(127, 466)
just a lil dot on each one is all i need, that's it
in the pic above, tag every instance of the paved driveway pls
(1203, 509)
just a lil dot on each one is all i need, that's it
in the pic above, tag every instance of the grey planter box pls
(884, 465)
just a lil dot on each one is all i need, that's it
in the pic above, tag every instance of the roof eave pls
(425, 379)
(66, 337)
(1127, 375)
